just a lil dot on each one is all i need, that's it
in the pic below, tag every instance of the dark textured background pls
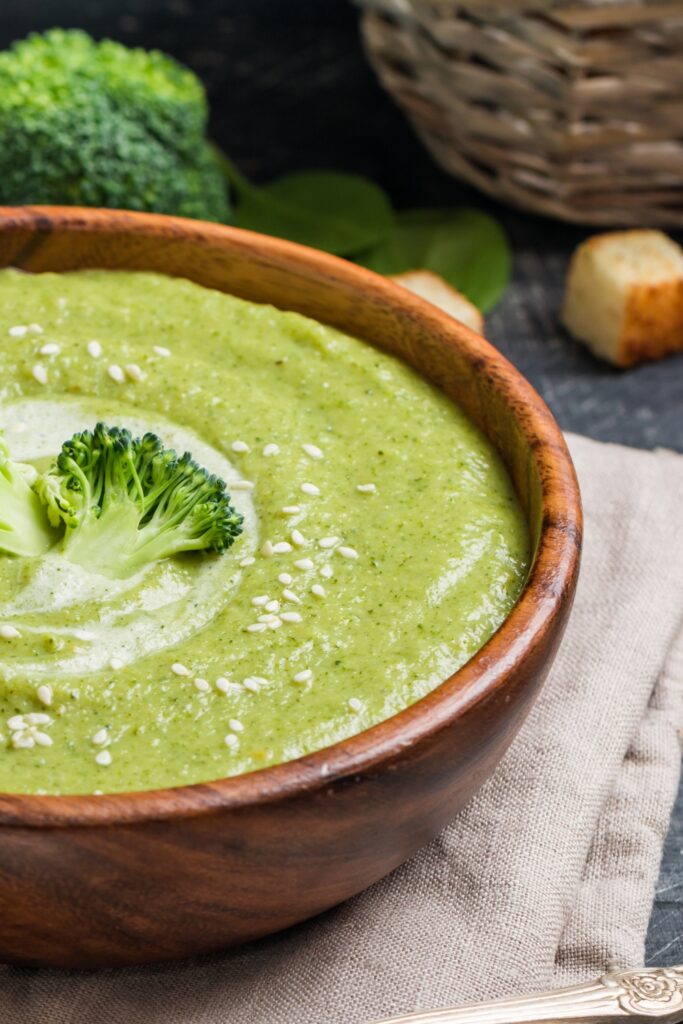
(289, 89)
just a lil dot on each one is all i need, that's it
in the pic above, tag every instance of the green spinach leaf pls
(340, 213)
(466, 247)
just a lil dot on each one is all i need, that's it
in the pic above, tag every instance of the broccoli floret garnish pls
(24, 529)
(98, 124)
(129, 501)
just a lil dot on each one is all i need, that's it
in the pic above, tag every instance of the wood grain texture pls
(136, 877)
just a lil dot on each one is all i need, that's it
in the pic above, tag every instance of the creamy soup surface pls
(382, 544)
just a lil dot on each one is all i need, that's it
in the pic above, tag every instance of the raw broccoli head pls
(24, 529)
(129, 501)
(97, 124)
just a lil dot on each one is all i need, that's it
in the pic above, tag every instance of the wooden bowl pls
(157, 875)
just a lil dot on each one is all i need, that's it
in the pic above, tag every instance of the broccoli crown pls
(24, 529)
(129, 501)
(99, 124)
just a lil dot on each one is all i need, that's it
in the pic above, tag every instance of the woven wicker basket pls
(569, 109)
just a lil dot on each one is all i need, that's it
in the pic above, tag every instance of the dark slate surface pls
(290, 89)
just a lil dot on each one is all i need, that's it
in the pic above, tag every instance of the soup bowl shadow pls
(139, 877)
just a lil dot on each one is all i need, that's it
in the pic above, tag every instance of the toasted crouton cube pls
(624, 296)
(434, 289)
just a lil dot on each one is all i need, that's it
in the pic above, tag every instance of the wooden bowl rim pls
(549, 587)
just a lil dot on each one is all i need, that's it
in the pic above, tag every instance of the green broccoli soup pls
(341, 539)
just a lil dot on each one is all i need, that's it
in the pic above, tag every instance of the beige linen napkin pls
(546, 877)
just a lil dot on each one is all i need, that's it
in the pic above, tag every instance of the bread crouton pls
(624, 296)
(434, 289)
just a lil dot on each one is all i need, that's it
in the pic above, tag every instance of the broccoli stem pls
(24, 528)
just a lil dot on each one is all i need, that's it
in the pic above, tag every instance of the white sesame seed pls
(267, 617)
(285, 578)
(282, 547)
(236, 725)
(289, 595)
(202, 685)
(115, 664)
(327, 572)
(298, 538)
(103, 758)
(291, 510)
(133, 371)
(44, 694)
(273, 606)
(256, 627)
(37, 718)
(355, 704)
(18, 331)
(275, 624)
(247, 561)
(310, 489)
(268, 550)
(42, 739)
(318, 590)
(271, 449)
(16, 722)
(94, 349)
(240, 446)
(313, 451)
(260, 680)
(366, 488)
(9, 633)
(259, 600)
(290, 617)
(242, 485)
(36, 328)
(224, 685)
(116, 373)
(303, 677)
(23, 739)
(251, 684)
(347, 552)
(179, 669)
(304, 563)
(100, 737)
(328, 542)
(161, 350)
(231, 740)
(50, 349)
(39, 373)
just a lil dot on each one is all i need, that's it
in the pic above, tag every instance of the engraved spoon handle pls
(629, 996)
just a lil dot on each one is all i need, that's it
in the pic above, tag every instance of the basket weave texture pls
(574, 110)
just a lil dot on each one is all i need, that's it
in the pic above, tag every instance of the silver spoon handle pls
(633, 996)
